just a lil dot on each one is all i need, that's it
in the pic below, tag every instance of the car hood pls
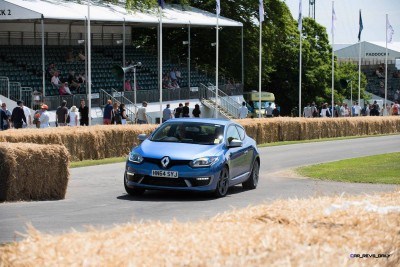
(178, 151)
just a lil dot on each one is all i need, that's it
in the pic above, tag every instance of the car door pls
(236, 154)
(248, 151)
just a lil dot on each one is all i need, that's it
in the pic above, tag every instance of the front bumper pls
(190, 179)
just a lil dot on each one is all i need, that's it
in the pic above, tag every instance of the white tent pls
(373, 52)
(107, 12)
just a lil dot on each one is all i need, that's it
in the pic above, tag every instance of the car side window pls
(232, 133)
(241, 132)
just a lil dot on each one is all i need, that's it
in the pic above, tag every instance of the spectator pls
(346, 111)
(55, 80)
(107, 114)
(51, 69)
(172, 75)
(374, 110)
(396, 109)
(122, 111)
(115, 115)
(7, 118)
(356, 110)
(178, 75)
(18, 115)
(178, 111)
(73, 116)
(84, 114)
(28, 116)
(243, 111)
(81, 78)
(128, 86)
(62, 114)
(196, 111)
(64, 89)
(81, 56)
(314, 110)
(3, 118)
(268, 111)
(325, 112)
(167, 113)
(276, 112)
(73, 81)
(185, 110)
(141, 114)
(44, 117)
(307, 111)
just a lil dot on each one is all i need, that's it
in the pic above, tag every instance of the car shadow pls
(156, 195)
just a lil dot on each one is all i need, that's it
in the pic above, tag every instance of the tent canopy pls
(107, 12)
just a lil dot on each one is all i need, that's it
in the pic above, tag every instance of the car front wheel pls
(252, 182)
(223, 183)
(133, 191)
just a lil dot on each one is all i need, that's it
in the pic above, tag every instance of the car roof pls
(203, 120)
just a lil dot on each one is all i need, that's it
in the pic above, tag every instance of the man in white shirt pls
(357, 110)
(243, 111)
(307, 113)
(28, 116)
(268, 111)
(55, 81)
(141, 114)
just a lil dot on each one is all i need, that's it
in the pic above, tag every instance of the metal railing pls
(224, 101)
(5, 86)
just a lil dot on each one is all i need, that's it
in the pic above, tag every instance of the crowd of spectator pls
(70, 85)
(172, 79)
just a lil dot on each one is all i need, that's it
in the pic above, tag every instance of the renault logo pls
(165, 162)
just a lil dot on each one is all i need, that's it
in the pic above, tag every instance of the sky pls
(347, 16)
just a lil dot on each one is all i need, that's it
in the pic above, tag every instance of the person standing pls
(196, 111)
(18, 115)
(3, 117)
(167, 114)
(141, 114)
(356, 110)
(44, 117)
(276, 112)
(185, 110)
(62, 114)
(6, 120)
(307, 111)
(178, 111)
(115, 115)
(243, 111)
(28, 116)
(107, 113)
(84, 114)
(73, 116)
(122, 111)
(268, 111)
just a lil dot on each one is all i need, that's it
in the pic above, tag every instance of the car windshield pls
(189, 132)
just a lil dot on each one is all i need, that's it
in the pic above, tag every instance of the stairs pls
(223, 104)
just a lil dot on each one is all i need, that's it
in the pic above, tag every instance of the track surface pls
(96, 195)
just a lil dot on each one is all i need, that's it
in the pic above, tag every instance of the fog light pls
(202, 178)
(130, 176)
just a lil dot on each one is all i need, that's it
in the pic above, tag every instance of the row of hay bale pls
(104, 141)
(293, 129)
(33, 172)
(96, 142)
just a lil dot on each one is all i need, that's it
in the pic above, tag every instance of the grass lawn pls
(86, 163)
(383, 169)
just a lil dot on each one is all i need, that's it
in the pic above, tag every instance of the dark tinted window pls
(232, 133)
(241, 132)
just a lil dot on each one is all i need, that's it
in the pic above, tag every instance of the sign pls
(376, 54)
(95, 96)
(9, 11)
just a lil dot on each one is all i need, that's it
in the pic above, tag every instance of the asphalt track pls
(96, 195)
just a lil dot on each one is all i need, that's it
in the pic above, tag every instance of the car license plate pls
(166, 174)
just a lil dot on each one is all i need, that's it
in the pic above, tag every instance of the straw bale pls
(33, 172)
(305, 232)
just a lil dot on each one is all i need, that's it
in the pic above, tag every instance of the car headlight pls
(135, 157)
(203, 162)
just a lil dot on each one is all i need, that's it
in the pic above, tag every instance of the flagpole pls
(216, 67)
(333, 58)
(160, 67)
(300, 54)
(89, 70)
(259, 74)
(359, 66)
(386, 57)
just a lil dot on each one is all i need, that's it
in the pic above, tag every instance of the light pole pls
(188, 44)
(137, 65)
(351, 96)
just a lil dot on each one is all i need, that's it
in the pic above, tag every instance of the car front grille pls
(172, 162)
(159, 181)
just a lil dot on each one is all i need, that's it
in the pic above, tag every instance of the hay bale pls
(33, 172)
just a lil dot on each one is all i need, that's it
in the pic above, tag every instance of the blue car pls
(204, 155)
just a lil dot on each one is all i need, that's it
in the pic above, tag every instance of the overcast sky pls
(373, 16)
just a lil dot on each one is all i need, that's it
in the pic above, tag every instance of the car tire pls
(133, 191)
(252, 181)
(223, 183)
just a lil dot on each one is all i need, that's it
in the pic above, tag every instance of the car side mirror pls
(142, 137)
(235, 143)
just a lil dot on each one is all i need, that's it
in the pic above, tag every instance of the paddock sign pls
(9, 11)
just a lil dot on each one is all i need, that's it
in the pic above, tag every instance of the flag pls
(218, 7)
(261, 10)
(333, 20)
(161, 3)
(389, 31)
(300, 20)
(361, 27)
